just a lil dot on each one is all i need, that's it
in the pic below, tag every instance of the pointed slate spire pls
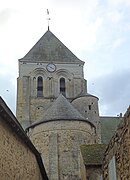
(50, 49)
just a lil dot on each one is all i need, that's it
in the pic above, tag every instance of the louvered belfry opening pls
(39, 86)
(62, 86)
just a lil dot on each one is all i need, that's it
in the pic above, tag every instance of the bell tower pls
(47, 70)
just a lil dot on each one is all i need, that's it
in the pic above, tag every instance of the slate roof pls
(85, 95)
(93, 154)
(61, 109)
(50, 49)
(108, 127)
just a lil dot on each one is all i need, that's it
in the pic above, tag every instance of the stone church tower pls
(54, 106)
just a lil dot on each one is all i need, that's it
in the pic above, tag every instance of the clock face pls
(51, 67)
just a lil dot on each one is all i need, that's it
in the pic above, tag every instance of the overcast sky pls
(96, 31)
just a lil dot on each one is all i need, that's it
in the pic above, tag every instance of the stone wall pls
(93, 172)
(116, 164)
(16, 159)
(88, 107)
(29, 72)
(29, 106)
(59, 141)
(91, 161)
(82, 168)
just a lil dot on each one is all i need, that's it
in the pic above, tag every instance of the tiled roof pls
(85, 95)
(93, 154)
(50, 49)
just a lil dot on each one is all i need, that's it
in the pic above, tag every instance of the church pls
(58, 114)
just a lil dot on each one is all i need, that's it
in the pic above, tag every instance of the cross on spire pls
(48, 18)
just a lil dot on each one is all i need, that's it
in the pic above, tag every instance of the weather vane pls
(48, 18)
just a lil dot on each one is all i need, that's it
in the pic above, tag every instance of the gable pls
(50, 49)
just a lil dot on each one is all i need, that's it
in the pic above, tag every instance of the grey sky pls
(97, 32)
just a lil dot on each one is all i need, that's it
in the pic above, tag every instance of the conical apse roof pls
(61, 109)
(50, 49)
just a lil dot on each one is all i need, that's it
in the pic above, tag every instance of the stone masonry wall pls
(88, 107)
(17, 162)
(59, 142)
(93, 172)
(30, 107)
(119, 148)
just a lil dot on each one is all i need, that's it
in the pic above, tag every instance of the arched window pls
(62, 86)
(39, 86)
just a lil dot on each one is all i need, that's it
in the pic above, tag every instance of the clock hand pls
(51, 67)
